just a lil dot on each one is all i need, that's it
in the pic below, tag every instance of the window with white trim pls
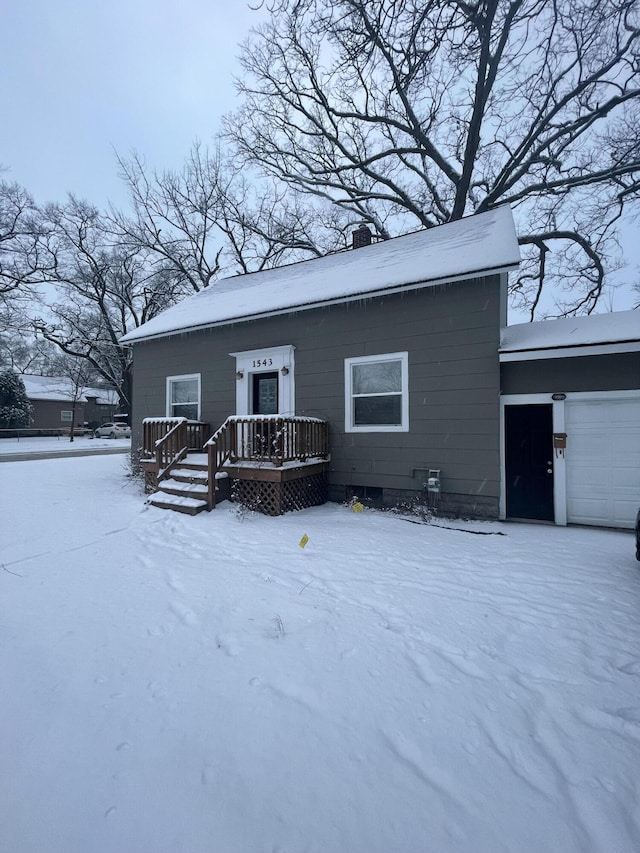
(66, 416)
(183, 396)
(377, 393)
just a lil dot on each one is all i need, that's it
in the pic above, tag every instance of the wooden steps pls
(186, 490)
(178, 503)
(189, 475)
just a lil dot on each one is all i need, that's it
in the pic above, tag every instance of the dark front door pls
(264, 392)
(529, 461)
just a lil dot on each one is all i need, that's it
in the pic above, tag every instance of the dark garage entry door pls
(529, 462)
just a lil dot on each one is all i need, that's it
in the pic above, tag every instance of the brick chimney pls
(361, 237)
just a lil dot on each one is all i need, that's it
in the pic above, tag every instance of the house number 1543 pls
(262, 362)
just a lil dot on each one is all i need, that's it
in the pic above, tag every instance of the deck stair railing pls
(165, 441)
(265, 439)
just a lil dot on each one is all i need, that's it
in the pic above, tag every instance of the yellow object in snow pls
(303, 541)
(357, 507)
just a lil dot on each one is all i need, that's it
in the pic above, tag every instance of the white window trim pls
(349, 426)
(178, 377)
(69, 416)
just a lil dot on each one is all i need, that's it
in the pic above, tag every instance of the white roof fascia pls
(569, 352)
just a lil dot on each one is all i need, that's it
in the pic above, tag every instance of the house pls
(388, 352)
(570, 420)
(388, 372)
(52, 400)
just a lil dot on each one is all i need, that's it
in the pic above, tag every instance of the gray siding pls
(616, 372)
(451, 334)
(46, 414)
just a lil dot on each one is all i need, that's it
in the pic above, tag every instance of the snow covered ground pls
(203, 684)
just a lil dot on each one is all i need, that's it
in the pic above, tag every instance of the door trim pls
(559, 466)
(529, 462)
(280, 359)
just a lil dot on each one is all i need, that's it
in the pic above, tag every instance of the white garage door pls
(603, 461)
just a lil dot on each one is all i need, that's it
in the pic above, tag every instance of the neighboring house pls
(394, 345)
(571, 420)
(52, 400)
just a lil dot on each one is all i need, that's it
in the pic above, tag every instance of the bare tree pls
(101, 291)
(22, 266)
(210, 220)
(19, 349)
(411, 114)
(19, 237)
(174, 216)
(76, 377)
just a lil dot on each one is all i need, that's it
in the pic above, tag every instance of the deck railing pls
(268, 439)
(197, 435)
(193, 434)
(166, 441)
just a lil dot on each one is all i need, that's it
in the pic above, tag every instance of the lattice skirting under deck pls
(272, 498)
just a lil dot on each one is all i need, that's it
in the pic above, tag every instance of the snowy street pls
(32, 448)
(177, 684)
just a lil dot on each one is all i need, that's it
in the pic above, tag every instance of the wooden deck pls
(272, 464)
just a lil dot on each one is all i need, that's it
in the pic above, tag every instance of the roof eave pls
(571, 350)
(325, 303)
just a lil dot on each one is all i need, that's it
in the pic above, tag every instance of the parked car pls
(114, 430)
(638, 535)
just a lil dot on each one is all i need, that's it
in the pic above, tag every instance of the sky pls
(83, 79)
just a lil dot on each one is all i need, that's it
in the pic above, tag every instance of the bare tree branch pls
(410, 114)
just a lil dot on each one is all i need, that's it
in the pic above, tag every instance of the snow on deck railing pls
(296, 418)
(162, 438)
(240, 419)
(155, 432)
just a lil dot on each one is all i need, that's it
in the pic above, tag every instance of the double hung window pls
(183, 397)
(377, 398)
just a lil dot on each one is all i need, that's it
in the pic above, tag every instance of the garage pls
(585, 372)
(603, 460)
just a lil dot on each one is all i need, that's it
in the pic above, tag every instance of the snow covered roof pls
(472, 246)
(617, 329)
(60, 388)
